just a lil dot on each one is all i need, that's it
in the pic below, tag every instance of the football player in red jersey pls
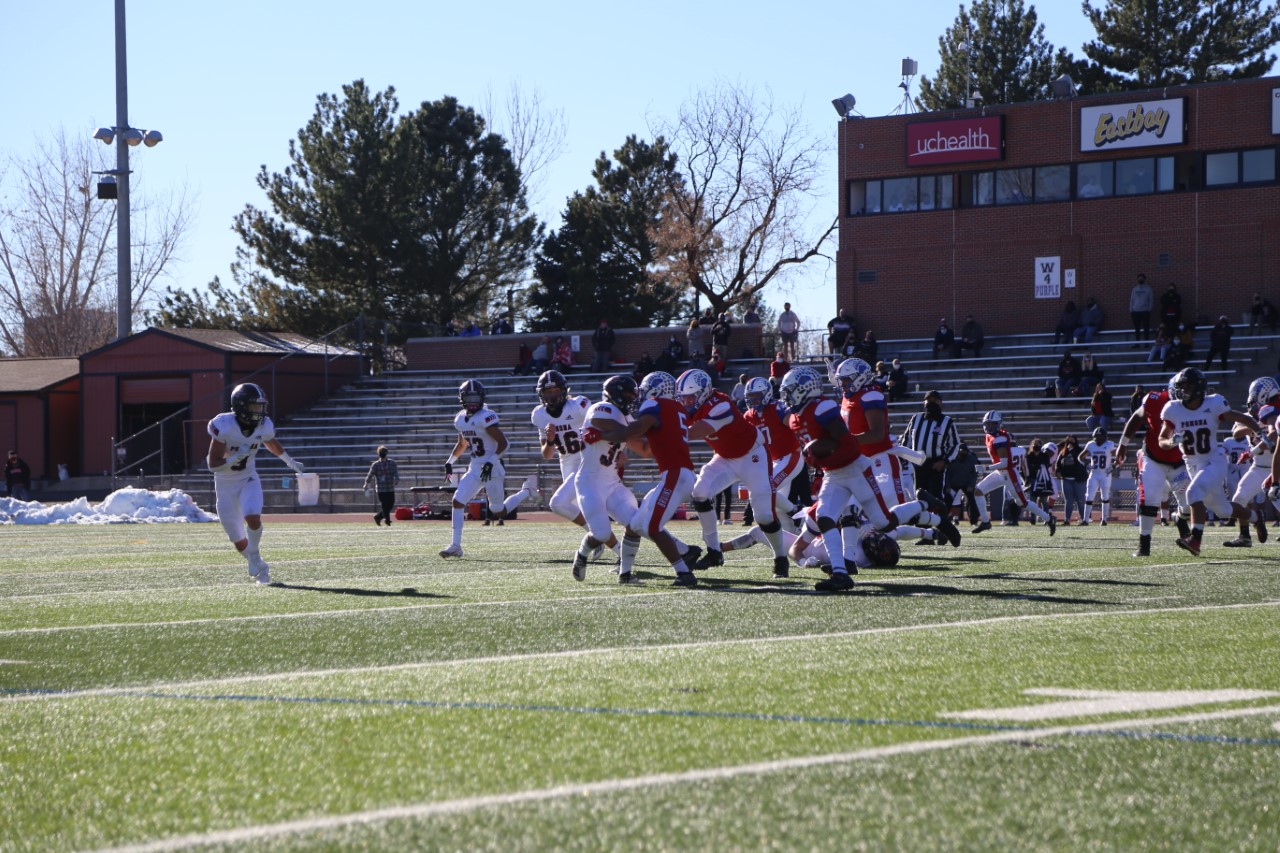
(1161, 473)
(659, 430)
(847, 476)
(1004, 472)
(739, 455)
(768, 416)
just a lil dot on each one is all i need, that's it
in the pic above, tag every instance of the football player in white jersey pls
(1192, 418)
(601, 493)
(478, 429)
(559, 419)
(1099, 457)
(1264, 398)
(236, 436)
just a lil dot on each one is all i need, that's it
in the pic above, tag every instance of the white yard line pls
(622, 650)
(612, 786)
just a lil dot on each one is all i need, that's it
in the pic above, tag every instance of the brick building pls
(1007, 212)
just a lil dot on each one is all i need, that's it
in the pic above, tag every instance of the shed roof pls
(258, 342)
(26, 375)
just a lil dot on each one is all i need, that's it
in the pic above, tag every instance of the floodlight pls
(152, 138)
(106, 134)
(132, 137)
(845, 105)
(1063, 87)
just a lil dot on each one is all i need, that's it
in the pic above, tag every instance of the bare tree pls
(737, 218)
(58, 251)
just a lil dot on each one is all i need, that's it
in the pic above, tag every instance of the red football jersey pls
(779, 440)
(855, 416)
(1152, 407)
(732, 437)
(810, 423)
(669, 440)
(996, 443)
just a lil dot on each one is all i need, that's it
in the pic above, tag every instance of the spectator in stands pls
(471, 330)
(1068, 322)
(1101, 408)
(1140, 301)
(383, 476)
(1090, 322)
(1159, 346)
(563, 358)
(542, 354)
(1220, 341)
(524, 361)
(777, 369)
(880, 378)
(1135, 399)
(899, 381)
(721, 329)
(788, 330)
(1262, 313)
(944, 340)
(17, 477)
(707, 319)
(500, 327)
(1090, 374)
(868, 348)
(449, 330)
(971, 338)
(1175, 357)
(739, 393)
(671, 357)
(644, 366)
(839, 330)
(717, 364)
(1171, 309)
(602, 340)
(1068, 381)
(751, 316)
(962, 481)
(695, 336)
(1071, 472)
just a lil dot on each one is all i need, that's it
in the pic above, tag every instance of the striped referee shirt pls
(936, 439)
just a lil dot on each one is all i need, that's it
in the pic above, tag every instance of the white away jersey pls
(1237, 452)
(568, 431)
(226, 429)
(474, 430)
(599, 460)
(1101, 457)
(1197, 429)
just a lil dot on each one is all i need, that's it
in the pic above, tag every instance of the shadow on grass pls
(866, 588)
(407, 592)
(1013, 576)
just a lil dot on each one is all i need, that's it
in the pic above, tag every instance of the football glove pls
(590, 435)
(1273, 494)
(486, 472)
(448, 469)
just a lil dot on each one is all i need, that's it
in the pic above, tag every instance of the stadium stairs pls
(411, 412)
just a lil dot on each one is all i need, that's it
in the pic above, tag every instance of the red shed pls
(39, 412)
(150, 395)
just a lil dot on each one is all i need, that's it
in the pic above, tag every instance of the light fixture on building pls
(845, 105)
(1063, 87)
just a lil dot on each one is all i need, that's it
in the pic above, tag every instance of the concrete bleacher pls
(412, 411)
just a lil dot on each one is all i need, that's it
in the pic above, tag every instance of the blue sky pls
(230, 83)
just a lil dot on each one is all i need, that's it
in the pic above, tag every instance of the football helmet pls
(248, 404)
(852, 375)
(620, 391)
(1187, 385)
(553, 402)
(693, 388)
(758, 392)
(471, 395)
(1266, 413)
(991, 422)
(1262, 390)
(1099, 435)
(800, 386)
(880, 549)
(658, 385)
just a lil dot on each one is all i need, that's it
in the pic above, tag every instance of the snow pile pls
(125, 506)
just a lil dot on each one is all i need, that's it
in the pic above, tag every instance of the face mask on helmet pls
(693, 388)
(553, 391)
(799, 387)
(758, 392)
(249, 404)
(1189, 386)
(852, 375)
(620, 392)
(471, 396)
(658, 385)
(1263, 390)
(1099, 435)
(991, 423)
(881, 550)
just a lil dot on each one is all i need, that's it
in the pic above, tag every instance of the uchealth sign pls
(1138, 124)
(962, 140)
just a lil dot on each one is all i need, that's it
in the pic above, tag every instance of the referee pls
(934, 434)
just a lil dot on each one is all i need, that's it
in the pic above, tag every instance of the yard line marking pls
(612, 786)
(629, 650)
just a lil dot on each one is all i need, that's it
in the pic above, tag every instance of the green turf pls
(150, 692)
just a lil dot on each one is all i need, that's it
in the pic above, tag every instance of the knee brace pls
(703, 505)
(771, 526)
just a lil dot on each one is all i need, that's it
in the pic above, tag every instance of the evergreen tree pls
(997, 49)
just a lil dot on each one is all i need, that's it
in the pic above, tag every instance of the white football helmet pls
(758, 392)
(658, 385)
(800, 386)
(1261, 391)
(693, 388)
(852, 375)
(991, 422)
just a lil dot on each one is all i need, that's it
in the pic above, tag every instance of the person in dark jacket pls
(971, 338)
(1068, 322)
(384, 476)
(1071, 472)
(17, 477)
(1220, 342)
(944, 340)
(962, 481)
(602, 343)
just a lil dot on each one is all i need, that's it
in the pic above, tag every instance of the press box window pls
(1258, 166)
(1094, 180)
(1221, 168)
(1135, 177)
(1013, 186)
(1053, 183)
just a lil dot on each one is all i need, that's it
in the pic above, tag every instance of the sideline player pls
(1250, 491)
(478, 429)
(1192, 418)
(769, 417)
(601, 493)
(232, 458)
(559, 419)
(1098, 456)
(1004, 473)
(660, 427)
(1161, 474)
(738, 455)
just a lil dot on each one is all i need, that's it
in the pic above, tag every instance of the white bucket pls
(308, 489)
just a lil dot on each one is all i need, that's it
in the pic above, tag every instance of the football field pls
(1020, 692)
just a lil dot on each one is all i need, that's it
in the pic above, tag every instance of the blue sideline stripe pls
(655, 712)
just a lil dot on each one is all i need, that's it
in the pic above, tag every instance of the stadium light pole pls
(124, 137)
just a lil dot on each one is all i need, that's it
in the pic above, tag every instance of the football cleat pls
(1102, 523)
(981, 527)
(530, 484)
(629, 579)
(1184, 529)
(1053, 524)
(838, 582)
(685, 579)
(692, 555)
(596, 553)
(1190, 544)
(259, 569)
(709, 560)
(932, 503)
(1239, 542)
(579, 567)
(949, 531)
(781, 566)
(451, 551)
(1260, 527)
